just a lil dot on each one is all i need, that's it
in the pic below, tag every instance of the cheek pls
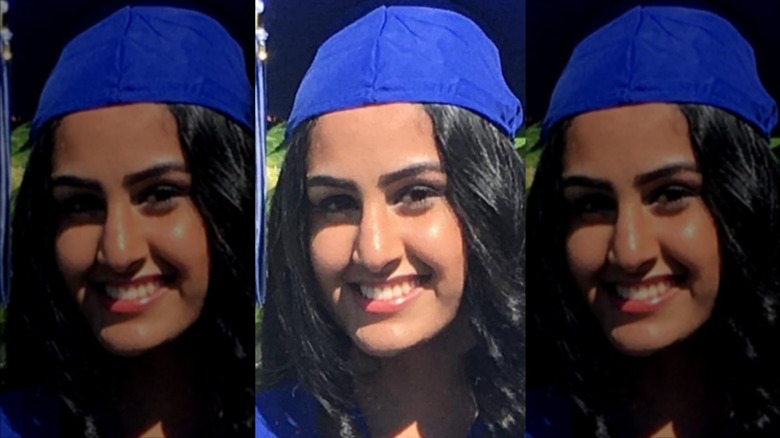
(586, 252)
(331, 251)
(76, 248)
(692, 240)
(436, 241)
(181, 241)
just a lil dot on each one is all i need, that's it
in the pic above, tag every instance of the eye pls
(80, 205)
(591, 205)
(418, 197)
(336, 204)
(161, 197)
(673, 197)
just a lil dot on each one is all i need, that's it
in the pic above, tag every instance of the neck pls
(672, 397)
(159, 398)
(422, 391)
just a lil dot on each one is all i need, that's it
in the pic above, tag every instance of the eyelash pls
(335, 204)
(593, 203)
(158, 198)
(161, 197)
(672, 197)
(417, 197)
(669, 198)
(81, 203)
(412, 198)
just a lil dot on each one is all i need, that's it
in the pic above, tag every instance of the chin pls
(637, 351)
(381, 343)
(379, 349)
(127, 343)
(638, 346)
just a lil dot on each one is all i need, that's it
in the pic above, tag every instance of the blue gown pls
(288, 411)
(548, 414)
(29, 413)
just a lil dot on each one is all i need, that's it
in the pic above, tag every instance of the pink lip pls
(386, 306)
(644, 306)
(134, 306)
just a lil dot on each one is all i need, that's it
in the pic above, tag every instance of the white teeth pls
(140, 291)
(644, 292)
(385, 293)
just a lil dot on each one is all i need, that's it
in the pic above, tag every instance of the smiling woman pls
(654, 223)
(642, 245)
(131, 307)
(395, 291)
(382, 232)
(130, 243)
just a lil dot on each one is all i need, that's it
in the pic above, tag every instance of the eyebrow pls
(409, 171)
(665, 171)
(384, 180)
(661, 172)
(586, 181)
(151, 172)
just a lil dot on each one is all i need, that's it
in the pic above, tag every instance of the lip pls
(135, 305)
(392, 305)
(645, 305)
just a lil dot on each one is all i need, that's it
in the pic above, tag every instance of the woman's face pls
(131, 246)
(385, 243)
(642, 245)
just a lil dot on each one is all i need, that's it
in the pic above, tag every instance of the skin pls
(371, 224)
(637, 217)
(118, 224)
(379, 213)
(633, 189)
(121, 187)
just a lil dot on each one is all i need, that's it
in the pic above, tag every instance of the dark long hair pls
(303, 344)
(741, 188)
(49, 340)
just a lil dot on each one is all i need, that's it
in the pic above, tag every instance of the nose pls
(122, 246)
(634, 246)
(378, 245)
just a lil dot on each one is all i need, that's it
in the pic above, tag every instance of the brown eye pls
(161, 197)
(673, 197)
(591, 204)
(417, 196)
(336, 204)
(82, 203)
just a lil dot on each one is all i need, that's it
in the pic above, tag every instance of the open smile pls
(644, 296)
(389, 296)
(133, 296)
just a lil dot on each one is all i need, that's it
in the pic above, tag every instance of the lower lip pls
(138, 305)
(642, 306)
(385, 306)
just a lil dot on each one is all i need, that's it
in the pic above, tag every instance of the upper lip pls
(648, 281)
(134, 281)
(392, 281)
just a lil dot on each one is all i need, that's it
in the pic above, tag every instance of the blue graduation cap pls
(155, 54)
(149, 54)
(408, 54)
(663, 54)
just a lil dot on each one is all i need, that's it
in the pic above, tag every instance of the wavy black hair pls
(485, 186)
(49, 341)
(741, 188)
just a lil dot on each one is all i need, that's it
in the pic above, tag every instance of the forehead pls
(116, 140)
(371, 139)
(627, 140)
